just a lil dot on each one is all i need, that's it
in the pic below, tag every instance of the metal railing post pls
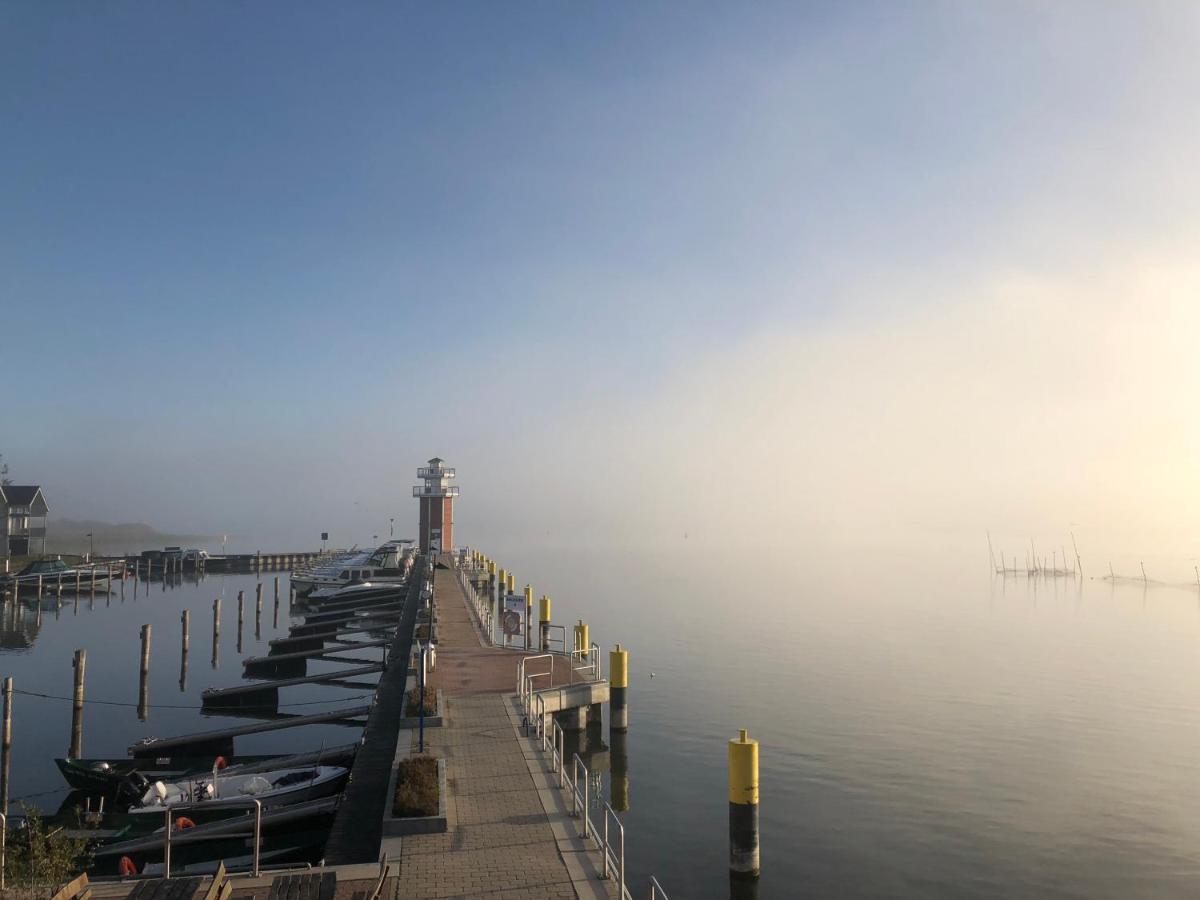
(3, 846)
(621, 864)
(257, 835)
(167, 844)
(604, 848)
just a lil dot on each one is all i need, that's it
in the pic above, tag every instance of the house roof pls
(19, 494)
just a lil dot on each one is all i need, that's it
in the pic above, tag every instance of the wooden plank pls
(328, 886)
(72, 888)
(266, 661)
(218, 880)
(214, 696)
(155, 746)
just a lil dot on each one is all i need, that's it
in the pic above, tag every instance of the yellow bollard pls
(528, 616)
(581, 637)
(544, 621)
(743, 807)
(618, 683)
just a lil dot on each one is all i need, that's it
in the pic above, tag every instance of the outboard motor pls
(132, 788)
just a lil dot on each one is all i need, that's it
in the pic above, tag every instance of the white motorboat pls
(279, 787)
(389, 564)
(52, 571)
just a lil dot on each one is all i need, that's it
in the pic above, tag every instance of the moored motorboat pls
(277, 787)
(104, 776)
(53, 572)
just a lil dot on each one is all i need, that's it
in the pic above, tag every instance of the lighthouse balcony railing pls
(421, 490)
(428, 472)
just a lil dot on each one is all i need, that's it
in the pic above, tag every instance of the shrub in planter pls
(413, 706)
(416, 787)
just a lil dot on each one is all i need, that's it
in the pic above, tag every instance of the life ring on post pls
(220, 763)
(126, 866)
(183, 823)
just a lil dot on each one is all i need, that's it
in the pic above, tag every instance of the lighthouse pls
(437, 506)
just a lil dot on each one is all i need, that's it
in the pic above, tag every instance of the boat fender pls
(184, 822)
(220, 763)
(126, 866)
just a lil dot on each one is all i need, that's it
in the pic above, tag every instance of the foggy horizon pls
(860, 279)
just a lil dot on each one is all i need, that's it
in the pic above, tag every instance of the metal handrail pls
(209, 804)
(656, 890)
(3, 846)
(576, 765)
(521, 669)
(562, 641)
(619, 856)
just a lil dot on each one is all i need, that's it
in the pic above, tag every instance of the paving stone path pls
(508, 835)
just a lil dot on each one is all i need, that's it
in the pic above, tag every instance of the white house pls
(22, 519)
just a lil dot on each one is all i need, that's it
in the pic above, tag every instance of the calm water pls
(40, 660)
(924, 731)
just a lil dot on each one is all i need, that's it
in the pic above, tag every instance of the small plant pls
(41, 856)
(416, 787)
(413, 706)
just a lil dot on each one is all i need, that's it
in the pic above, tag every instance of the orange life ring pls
(126, 866)
(184, 822)
(220, 763)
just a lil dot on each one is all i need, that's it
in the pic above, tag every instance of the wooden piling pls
(39, 589)
(145, 665)
(185, 625)
(216, 633)
(80, 664)
(6, 744)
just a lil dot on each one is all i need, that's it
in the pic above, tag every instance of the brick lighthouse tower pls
(437, 506)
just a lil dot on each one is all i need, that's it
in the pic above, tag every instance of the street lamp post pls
(391, 528)
(91, 547)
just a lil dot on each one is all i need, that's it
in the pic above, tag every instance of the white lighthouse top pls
(437, 480)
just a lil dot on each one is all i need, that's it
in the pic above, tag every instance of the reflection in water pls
(743, 888)
(17, 632)
(619, 779)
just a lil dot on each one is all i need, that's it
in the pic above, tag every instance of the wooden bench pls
(166, 889)
(76, 889)
(315, 886)
(377, 891)
(220, 887)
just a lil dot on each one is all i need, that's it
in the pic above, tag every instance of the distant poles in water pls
(743, 807)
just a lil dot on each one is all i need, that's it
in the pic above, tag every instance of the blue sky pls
(278, 244)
